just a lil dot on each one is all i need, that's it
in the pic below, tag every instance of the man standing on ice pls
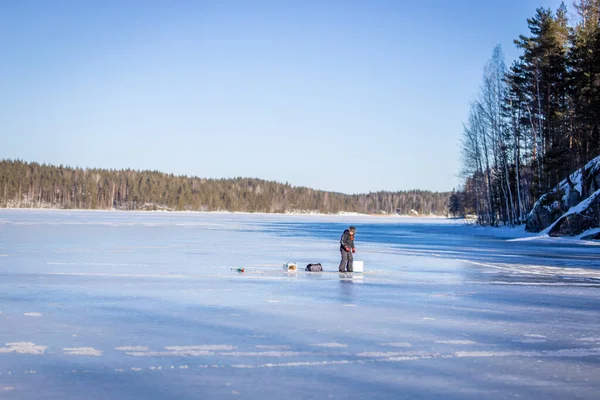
(347, 249)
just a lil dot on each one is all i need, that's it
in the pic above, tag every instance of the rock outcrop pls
(562, 212)
(545, 212)
(583, 217)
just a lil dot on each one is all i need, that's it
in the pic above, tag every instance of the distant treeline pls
(33, 185)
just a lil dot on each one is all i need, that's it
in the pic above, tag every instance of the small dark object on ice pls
(314, 267)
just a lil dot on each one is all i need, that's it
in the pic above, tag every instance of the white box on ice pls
(290, 267)
(358, 266)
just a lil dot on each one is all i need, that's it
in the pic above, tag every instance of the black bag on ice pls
(314, 267)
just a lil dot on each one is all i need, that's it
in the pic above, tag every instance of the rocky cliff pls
(566, 211)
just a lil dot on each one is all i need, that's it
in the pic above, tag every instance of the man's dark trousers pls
(348, 259)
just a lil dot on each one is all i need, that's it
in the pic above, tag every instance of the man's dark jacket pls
(346, 240)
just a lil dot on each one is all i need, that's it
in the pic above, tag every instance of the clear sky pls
(348, 96)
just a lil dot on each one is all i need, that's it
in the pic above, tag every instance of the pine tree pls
(585, 83)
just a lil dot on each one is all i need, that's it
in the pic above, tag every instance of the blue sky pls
(348, 96)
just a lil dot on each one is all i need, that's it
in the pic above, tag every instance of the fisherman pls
(347, 249)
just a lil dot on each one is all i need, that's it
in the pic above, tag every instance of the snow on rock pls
(591, 234)
(583, 217)
(567, 196)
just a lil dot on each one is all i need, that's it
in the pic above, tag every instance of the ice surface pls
(123, 305)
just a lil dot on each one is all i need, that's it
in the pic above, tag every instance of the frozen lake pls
(115, 305)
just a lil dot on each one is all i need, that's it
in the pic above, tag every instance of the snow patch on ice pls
(388, 354)
(82, 351)
(331, 345)
(539, 269)
(590, 339)
(556, 353)
(495, 353)
(272, 346)
(455, 342)
(397, 344)
(110, 275)
(181, 351)
(379, 354)
(404, 358)
(23, 348)
(132, 348)
(531, 341)
(213, 347)
(514, 283)
(298, 364)
(173, 353)
(99, 264)
(262, 354)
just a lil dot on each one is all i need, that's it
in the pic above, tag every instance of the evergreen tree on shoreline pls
(549, 121)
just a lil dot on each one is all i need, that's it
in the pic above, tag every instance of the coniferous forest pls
(34, 185)
(536, 121)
